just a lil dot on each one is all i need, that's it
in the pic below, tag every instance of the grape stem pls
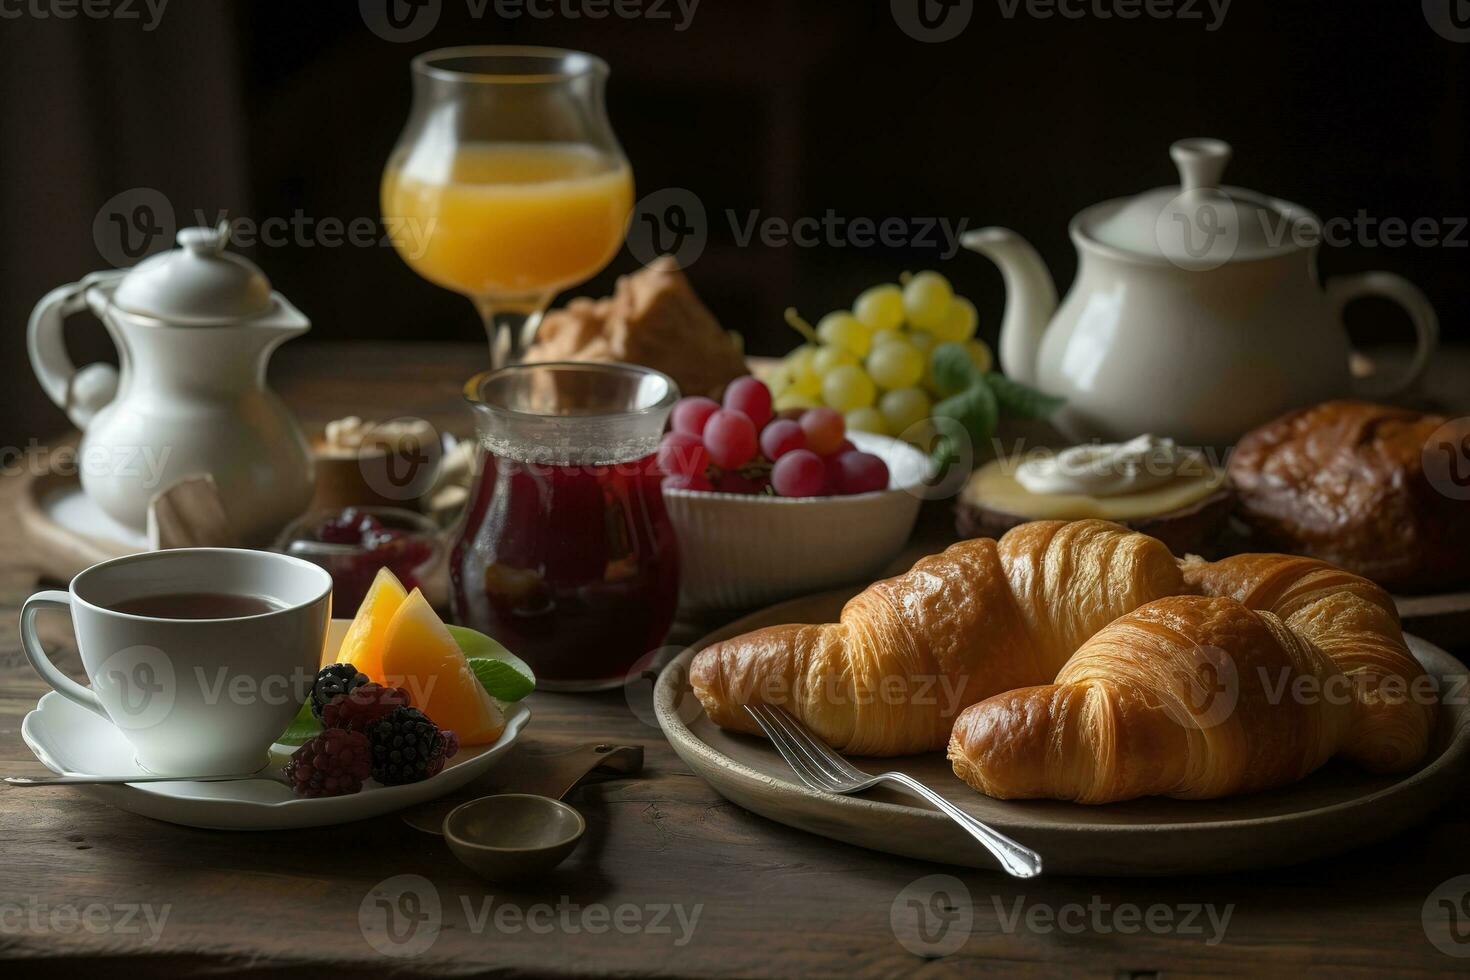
(795, 322)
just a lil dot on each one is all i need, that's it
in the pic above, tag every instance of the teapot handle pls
(81, 394)
(1342, 290)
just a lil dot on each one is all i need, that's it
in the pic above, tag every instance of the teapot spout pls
(1031, 298)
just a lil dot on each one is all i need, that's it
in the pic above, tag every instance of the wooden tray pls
(46, 546)
(1333, 810)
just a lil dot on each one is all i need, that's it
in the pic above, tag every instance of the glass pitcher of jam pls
(566, 554)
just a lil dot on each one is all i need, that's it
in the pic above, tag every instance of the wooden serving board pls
(1335, 809)
(45, 546)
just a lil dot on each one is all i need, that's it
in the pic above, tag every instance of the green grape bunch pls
(873, 363)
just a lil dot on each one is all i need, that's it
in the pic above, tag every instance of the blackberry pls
(332, 681)
(363, 705)
(446, 748)
(404, 744)
(333, 763)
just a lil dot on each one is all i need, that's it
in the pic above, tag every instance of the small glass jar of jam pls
(353, 544)
(566, 553)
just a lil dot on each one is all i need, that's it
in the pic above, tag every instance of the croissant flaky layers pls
(1356, 624)
(909, 653)
(1172, 699)
(1193, 680)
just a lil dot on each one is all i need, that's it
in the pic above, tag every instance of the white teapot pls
(194, 328)
(1196, 314)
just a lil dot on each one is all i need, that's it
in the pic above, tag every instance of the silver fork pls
(826, 771)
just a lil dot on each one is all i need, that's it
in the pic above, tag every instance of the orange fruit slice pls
(420, 654)
(363, 645)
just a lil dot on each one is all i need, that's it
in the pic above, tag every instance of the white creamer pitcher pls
(194, 329)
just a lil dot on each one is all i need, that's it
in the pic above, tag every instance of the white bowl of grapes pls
(768, 505)
(810, 477)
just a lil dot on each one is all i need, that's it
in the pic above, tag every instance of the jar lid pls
(1200, 223)
(196, 284)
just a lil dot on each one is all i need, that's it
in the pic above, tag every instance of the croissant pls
(910, 652)
(1355, 623)
(1186, 697)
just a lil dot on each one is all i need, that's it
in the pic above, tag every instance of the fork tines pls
(811, 759)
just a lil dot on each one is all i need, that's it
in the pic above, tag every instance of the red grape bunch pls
(744, 446)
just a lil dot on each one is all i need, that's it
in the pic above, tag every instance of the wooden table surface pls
(671, 880)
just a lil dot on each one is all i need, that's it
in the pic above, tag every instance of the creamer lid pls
(196, 284)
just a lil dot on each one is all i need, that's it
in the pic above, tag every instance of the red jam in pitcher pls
(566, 554)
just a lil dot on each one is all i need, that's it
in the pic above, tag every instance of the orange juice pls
(509, 219)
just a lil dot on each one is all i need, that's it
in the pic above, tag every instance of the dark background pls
(793, 107)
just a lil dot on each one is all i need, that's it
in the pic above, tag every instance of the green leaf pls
(501, 680)
(504, 676)
(303, 728)
(976, 409)
(1022, 401)
(953, 370)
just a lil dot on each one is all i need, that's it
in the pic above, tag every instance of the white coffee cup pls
(193, 696)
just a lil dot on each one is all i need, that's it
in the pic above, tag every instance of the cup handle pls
(30, 642)
(1342, 290)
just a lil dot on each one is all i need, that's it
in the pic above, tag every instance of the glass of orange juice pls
(507, 184)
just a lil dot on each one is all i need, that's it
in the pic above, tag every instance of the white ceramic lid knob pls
(1201, 162)
(205, 241)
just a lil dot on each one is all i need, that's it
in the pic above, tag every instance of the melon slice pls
(363, 645)
(420, 654)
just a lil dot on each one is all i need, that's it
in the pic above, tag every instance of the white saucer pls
(72, 741)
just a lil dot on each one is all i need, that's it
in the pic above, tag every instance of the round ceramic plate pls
(70, 740)
(1334, 809)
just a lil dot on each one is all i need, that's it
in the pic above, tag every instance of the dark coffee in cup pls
(197, 605)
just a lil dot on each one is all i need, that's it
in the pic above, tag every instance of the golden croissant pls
(1284, 663)
(909, 653)
(1355, 623)
(1190, 697)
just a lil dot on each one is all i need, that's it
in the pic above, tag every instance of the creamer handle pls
(81, 394)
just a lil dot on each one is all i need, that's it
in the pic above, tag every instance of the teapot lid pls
(1199, 224)
(196, 284)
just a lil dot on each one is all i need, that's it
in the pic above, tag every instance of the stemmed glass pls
(507, 184)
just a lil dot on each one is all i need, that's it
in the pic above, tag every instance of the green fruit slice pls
(504, 676)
